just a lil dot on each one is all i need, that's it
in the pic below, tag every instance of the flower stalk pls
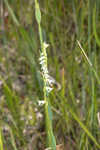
(46, 80)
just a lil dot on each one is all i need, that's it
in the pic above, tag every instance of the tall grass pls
(71, 112)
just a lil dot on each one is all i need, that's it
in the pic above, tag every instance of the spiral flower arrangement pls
(44, 69)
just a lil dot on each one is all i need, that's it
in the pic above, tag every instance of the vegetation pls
(49, 75)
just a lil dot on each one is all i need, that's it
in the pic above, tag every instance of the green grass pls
(68, 119)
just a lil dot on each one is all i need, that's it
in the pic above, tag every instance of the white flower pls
(41, 102)
(49, 89)
(43, 63)
(45, 45)
(42, 58)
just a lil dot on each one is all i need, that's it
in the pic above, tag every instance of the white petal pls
(41, 102)
(49, 89)
(41, 58)
(45, 45)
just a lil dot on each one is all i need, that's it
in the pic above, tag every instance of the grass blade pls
(94, 26)
(11, 13)
(89, 62)
(1, 140)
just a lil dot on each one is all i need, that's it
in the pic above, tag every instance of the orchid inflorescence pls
(43, 62)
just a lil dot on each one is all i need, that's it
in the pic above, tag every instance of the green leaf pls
(94, 27)
(1, 141)
(37, 12)
(51, 137)
(51, 140)
(49, 112)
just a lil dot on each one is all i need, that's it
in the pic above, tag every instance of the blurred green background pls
(75, 100)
